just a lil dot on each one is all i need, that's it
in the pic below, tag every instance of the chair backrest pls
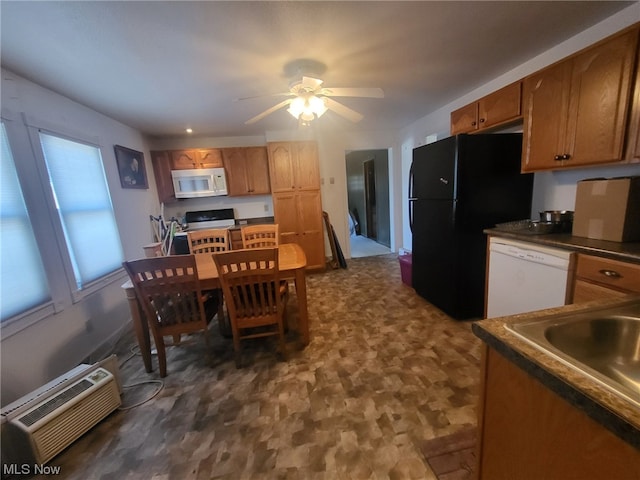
(169, 291)
(251, 285)
(260, 236)
(209, 241)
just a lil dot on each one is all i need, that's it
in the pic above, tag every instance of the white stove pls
(202, 220)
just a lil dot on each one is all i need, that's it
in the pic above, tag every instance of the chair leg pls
(207, 342)
(283, 344)
(162, 354)
(236, 344)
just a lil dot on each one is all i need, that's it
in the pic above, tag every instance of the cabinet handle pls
(473, 124)
(610, 273)
(558, 157)
(482, 120)
(566, 156)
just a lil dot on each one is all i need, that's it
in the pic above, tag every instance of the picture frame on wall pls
(131, 167)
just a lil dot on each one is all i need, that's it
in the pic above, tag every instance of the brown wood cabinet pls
(633, 139)
(528, 432)
(575, 111)
(161, 162)
(601, 278)
(294, 166)
(196, 158)
(247, 170)
(297, 204)
(500, 107)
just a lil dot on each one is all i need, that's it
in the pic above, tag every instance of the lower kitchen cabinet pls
(299, 216)
(601, 278)
(528, 432)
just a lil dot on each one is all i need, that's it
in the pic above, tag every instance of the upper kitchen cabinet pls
(196, 158)
(161, 161)
(294, 166)
(575, 111)
(633, 142)
(500, 107)
(247, 170)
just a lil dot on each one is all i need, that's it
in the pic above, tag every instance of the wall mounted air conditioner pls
(42, 424)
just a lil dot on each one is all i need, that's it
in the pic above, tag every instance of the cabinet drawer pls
(607, 272)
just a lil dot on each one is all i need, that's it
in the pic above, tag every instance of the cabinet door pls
(257, 171)
(500, 106)
(209, 158)
(285, 214)
(633, 133)
(235, 169)
(161, 162)
(465, 119)
(545, 102)
(247, 170)
(184, 159)
(598, 106)
(528, 432)
(281, 166)
(299, 216)
(311, 239)
(306, 164)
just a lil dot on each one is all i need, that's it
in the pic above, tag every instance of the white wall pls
(552, 190)
(34, 355)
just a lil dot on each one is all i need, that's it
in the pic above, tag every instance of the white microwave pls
(199, 182)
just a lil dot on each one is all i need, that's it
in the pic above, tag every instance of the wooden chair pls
(260, 236)
(169, 292)
(209, 241)
(212, 240)
(255, 297)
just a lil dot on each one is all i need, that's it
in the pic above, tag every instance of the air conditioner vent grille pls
(57, 434)
(55, 402)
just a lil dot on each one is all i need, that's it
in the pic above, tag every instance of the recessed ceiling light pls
(189, 130)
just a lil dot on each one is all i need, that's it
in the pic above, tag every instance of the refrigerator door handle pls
(411, 198)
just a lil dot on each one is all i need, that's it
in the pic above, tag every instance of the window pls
(59, 240)
(23, 282)
(82, 200)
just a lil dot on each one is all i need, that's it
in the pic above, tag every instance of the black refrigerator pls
(458, 187)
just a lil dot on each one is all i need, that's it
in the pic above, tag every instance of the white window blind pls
(23, 282)
(82, 199)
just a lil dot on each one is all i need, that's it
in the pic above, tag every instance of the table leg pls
(141, 329)
(303, 314)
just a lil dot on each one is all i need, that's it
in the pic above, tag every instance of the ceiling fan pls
(310, 100)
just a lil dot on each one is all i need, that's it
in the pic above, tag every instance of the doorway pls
(368, 202)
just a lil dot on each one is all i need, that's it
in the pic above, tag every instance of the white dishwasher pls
(524, 277)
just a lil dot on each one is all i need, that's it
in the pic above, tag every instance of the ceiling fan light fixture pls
(307, 108)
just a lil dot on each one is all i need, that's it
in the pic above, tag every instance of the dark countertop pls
(615, 413)
(253, 221)
(625, 252)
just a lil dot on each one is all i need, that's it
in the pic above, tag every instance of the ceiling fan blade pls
(342, 110)
(281, 94)
(269, 111)
(354, 92)
(311, 83)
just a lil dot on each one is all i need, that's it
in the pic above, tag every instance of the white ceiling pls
(163, 66)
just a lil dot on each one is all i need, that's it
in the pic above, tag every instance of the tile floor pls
(384, 372)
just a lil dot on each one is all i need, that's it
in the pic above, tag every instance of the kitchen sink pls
(602, 343)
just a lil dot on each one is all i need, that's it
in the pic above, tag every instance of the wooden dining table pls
(291, 262)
